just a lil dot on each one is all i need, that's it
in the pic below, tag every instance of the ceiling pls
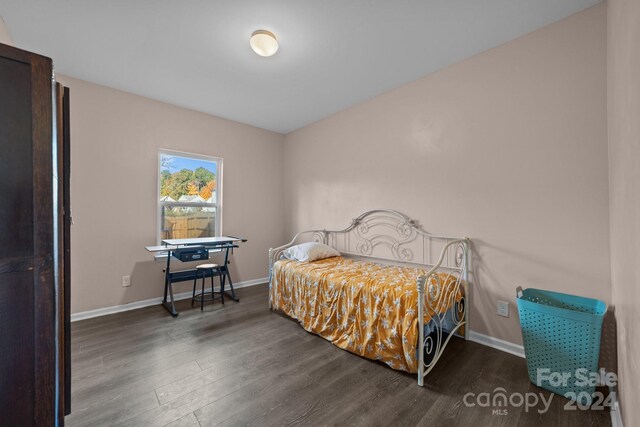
(333, 53)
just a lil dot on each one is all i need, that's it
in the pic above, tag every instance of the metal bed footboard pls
(391, 236)
(442, 295)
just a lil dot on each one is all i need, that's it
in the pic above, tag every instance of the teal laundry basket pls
(561, 335)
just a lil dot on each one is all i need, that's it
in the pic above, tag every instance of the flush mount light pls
(264, 43)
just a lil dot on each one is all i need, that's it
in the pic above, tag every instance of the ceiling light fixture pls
(264, 43)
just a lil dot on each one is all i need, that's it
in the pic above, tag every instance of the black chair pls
(201, 271)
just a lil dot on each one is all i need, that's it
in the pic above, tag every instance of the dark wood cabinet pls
(34, 245)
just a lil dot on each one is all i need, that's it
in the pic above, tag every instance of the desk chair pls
(202, 270)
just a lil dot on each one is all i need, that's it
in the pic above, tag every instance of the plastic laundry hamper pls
(561, 335)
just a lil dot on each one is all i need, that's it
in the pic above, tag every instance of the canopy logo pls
(499, 401)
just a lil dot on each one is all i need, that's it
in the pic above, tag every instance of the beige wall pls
(508, 147)
(115, 141)
(624, 188)
(5, 37)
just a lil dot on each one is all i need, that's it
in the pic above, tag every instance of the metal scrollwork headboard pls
(391, 235)
(388, 235)
(390, 229)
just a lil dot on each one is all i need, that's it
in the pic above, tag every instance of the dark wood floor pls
(241, 364)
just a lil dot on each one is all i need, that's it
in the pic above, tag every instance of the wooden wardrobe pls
(34, 242)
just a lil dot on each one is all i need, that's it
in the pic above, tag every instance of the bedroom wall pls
(114, 154)
(508, 147)
(5, 37)
(624, 187)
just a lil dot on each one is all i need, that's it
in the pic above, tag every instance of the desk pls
(170, 246)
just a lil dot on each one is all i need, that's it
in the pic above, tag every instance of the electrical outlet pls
(126, 281)
(503, 308)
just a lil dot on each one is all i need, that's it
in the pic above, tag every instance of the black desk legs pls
(226, 275)
(171, 308)
(168, 301)
(224, 278)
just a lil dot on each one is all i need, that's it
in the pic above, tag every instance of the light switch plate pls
(503, 308)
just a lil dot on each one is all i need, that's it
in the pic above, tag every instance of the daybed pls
(395, 293)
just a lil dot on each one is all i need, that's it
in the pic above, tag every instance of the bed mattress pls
(366, 308)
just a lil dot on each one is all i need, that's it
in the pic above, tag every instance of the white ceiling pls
(333, 53)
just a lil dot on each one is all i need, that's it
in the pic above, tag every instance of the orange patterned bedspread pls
(366, 308)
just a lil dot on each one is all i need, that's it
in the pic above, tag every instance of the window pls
(189, 198)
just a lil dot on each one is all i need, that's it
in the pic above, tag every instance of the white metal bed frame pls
(392, 237)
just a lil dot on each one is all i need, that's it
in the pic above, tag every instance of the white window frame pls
(217, 204)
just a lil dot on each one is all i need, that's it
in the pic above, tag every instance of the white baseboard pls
(149, 302)
(614, 411)
(497, 343)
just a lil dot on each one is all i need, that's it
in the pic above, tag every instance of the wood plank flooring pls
(242, 364)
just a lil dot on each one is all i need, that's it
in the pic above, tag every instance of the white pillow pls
(311, 251)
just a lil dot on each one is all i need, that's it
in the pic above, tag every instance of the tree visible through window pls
(189, 195)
